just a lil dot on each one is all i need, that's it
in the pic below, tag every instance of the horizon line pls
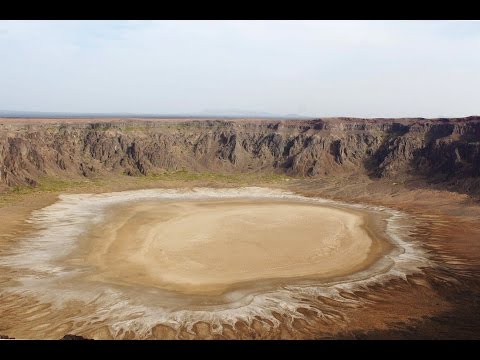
(14, 114)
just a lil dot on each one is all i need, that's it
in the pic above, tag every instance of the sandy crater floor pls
(159, 263)
(200, 247)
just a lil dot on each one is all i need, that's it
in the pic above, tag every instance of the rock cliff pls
(440, 151)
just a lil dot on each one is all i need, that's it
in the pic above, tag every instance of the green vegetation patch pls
(185, 175)
(46, 185)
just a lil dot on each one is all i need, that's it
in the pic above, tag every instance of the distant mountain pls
(250, 114)
(237, 113)
(247, 113)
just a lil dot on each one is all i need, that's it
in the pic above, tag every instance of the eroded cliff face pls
(443, 151)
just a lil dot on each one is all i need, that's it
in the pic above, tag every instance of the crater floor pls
(201, 263)
(210, 246)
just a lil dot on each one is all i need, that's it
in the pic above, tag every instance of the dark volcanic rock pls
(74, 337)
(443, 151)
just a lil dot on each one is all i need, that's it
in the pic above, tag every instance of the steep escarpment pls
(442, 151)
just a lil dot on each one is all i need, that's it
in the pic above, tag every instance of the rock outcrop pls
(444, 151)
(74, 337)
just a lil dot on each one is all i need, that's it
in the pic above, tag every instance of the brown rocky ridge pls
(442, 152)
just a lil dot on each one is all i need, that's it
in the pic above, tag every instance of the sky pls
(309, 68)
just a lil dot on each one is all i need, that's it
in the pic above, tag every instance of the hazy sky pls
(316, 68)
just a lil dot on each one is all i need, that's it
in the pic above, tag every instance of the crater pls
(136, 260)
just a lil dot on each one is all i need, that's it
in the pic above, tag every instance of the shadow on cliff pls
(447, 162)
(374, 163)
(443, 162)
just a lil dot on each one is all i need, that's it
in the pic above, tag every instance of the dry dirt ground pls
(440, 302)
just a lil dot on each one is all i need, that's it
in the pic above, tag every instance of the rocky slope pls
(445, 152)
